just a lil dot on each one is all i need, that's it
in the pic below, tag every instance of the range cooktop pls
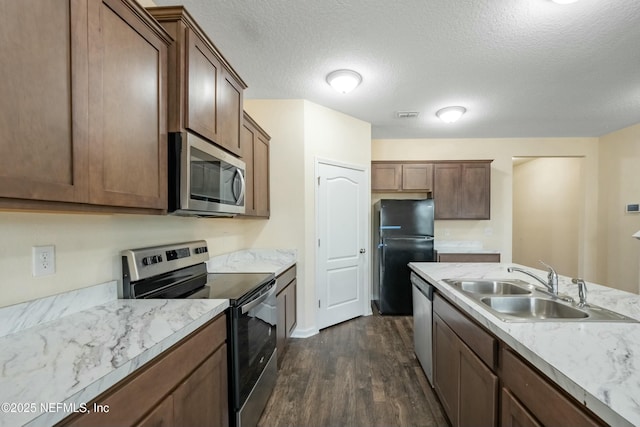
(235, 286)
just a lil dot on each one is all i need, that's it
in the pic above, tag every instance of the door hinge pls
(318, 242)
(318, 180)
(318, 303)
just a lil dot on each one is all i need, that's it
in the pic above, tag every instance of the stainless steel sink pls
(513, 300)
(492, 287)
(533, 308)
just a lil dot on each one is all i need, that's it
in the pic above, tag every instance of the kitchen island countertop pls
(597, 363)
(58, 353)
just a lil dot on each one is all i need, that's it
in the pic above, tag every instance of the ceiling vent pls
(407, 114)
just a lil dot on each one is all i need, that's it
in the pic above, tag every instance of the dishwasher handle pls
(425, 288)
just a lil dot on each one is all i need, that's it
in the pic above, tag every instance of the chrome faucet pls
(582, 291)
(552, 278)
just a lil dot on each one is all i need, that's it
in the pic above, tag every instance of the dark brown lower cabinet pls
(477, 388)
(185, 386)
(286, 307)
(199, 400)
(446, 367)
(543, 401)
(467, 388)
(514, 414)
(478, 405)
(281, 330)
(161, 416)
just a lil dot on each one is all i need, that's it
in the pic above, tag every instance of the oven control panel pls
(147, 262)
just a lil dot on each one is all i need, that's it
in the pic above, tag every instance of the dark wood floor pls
(359, 373)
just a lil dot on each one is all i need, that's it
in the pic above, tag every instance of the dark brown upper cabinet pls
(205, 93)
(401, 176)
(255, 153)
(83, 111)
(462, 190)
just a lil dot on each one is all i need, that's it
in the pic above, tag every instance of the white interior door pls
(342, 241)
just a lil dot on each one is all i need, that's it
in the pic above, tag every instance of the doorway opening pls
(548, 204)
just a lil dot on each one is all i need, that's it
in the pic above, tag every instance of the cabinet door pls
(478, 401)
(160, 416)
(446, 368)
(291, 308)
(261, 175)
(203, 75)
(386, 177)
(281, 325)
(514, 414)
(214, 97)
(446, 188)
(127, 108)
(43, 107)
(475, 191)
(201, 400)
(246, 143)
(527, 385)
(229, 113)
(417, 177)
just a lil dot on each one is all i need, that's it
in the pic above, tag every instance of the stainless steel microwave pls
(204, 180)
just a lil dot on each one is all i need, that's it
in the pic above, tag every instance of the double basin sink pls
(519, 301)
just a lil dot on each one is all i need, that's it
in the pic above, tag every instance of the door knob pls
(363, 250)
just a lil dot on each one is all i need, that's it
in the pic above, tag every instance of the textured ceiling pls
(522, 68)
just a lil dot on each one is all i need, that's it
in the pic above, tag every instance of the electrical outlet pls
(43, 260)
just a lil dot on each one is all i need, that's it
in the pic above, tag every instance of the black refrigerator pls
(402, 233)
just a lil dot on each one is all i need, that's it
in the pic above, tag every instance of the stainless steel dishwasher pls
(422, 323)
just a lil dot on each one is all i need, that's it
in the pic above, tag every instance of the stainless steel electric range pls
(179, 271)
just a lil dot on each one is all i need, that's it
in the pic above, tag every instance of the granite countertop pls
(462, 247)
(58, 353)
(275, 261)
(596, 363)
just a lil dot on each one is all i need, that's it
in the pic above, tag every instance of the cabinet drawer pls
(285, 278)
(468, 257)
(549, 405)
(477, 339)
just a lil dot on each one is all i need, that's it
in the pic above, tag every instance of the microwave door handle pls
(240, 198)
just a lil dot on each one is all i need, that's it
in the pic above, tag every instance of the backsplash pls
(87, 247)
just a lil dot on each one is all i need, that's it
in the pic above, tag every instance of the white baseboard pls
(305, 333)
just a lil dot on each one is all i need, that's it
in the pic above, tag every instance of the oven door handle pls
(248, 306)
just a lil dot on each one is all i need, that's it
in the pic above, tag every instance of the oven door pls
(253, 341)
(207, 180)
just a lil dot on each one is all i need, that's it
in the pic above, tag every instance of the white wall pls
(302, 131)
(547, 195)
(496, 233)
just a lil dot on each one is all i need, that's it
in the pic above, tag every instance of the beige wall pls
(619, 186)
(88, 246)
(496, 233)
(303, 132)
(547, 195)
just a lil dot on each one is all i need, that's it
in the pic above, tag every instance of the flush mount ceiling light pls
(344, 81)
(450, 114)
